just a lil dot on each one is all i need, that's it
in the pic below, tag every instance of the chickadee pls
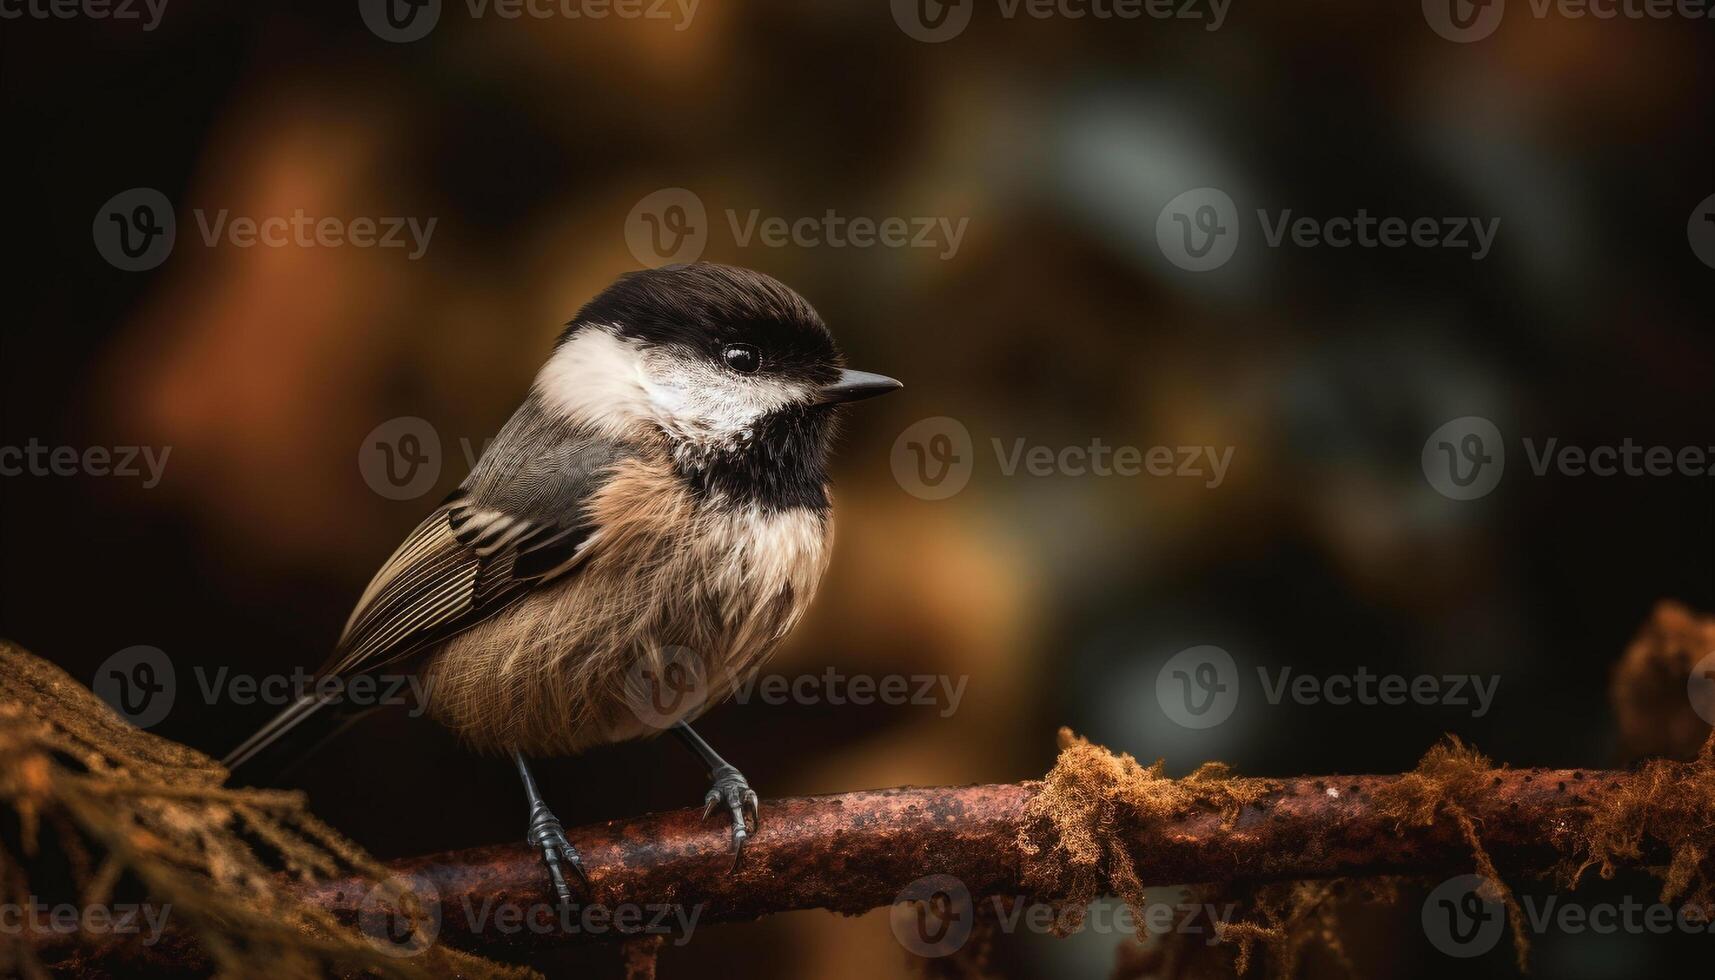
(662, 488)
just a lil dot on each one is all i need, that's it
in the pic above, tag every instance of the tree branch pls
(855, 852)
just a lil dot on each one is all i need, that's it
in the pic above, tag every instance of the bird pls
(642, 532)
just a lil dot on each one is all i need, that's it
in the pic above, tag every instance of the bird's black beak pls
(855, 385)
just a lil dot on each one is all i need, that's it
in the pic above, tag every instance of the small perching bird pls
(660, 494)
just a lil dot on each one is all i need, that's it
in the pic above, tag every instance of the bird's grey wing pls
(518, 522)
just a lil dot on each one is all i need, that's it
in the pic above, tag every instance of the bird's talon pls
(738, 838)
(754, 806)
(731, 790)
(549, 837)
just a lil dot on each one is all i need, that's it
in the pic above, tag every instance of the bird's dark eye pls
(742, 358)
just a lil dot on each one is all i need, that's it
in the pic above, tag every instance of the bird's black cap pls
(705, 307)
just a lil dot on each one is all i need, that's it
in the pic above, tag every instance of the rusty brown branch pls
(855, 852)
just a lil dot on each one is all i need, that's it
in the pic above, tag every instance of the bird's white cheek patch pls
(598, 379)
(709, 403)
(609, 383)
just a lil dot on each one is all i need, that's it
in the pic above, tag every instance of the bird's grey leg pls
(726, 786)
(549, 837)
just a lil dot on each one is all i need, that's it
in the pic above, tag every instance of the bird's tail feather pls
(296, 732)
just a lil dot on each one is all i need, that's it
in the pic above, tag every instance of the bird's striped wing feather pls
(518, 522)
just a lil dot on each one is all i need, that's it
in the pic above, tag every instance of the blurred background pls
(1059, 317)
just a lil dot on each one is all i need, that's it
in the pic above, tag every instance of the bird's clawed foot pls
(729, 787)
(550, 838)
